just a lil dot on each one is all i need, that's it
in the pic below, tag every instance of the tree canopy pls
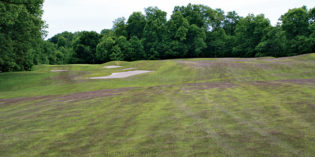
(191, 31)
(20, 33)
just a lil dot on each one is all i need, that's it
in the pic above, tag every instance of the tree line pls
(21, 30)
(191, 31)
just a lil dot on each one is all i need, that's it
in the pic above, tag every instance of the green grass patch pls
(185, 107)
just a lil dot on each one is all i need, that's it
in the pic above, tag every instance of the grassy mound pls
(185, 107)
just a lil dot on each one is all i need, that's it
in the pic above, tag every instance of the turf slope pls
(184, 107)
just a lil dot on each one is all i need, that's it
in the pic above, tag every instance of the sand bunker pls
(129, 69)
(112, 67)
(59, 70)
(122, 74)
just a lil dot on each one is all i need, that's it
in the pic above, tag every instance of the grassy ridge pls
(186, 107)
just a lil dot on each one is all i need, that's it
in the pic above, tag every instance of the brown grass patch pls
(299, 81)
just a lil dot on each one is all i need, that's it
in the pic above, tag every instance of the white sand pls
(129, 69)
(59, 70)
(122, 74)
(112, 67)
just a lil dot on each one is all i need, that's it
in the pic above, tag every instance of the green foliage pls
(20, 32)
(177, 27)
(63, 39)
(217, 44)
(135, 25)
(103, 49)
(116, 54)
(177, 31)
(120, 27)
(191, 31)
(85, 46)
(297, 24)
(135, 50)
(230, 22)
(272, 44)
(64, 42)
(312, 36)
(193, 13)
(249, 33)
(154, 32)
(196, 41)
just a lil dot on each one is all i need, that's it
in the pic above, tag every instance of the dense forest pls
(191, 31)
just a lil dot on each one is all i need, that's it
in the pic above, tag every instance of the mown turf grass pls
(186, 107)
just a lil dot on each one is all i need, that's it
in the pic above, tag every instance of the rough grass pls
(186, 107)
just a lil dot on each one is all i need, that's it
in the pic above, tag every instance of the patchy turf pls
(186, 107)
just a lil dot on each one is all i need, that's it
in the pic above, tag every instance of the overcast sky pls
(78, 15)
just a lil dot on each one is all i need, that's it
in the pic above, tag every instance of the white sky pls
(78, 15)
